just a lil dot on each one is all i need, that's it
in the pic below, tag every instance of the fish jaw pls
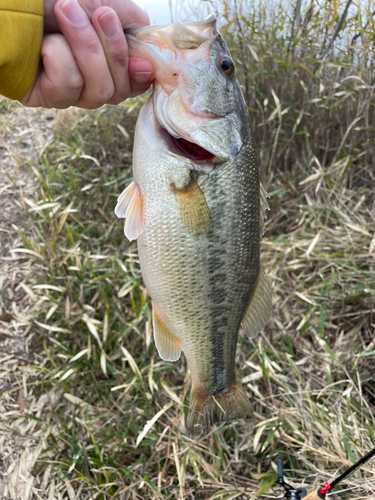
(179, 156)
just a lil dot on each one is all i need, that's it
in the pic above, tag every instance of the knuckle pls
(75, 82)
(51, 39)
(100, 96)
(105, 93)
(52, 44)
(120, 59)
(117, 99)
(93, 46)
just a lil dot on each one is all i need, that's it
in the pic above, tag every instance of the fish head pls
(197, 99)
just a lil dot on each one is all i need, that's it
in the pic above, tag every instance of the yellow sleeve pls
(21, 33)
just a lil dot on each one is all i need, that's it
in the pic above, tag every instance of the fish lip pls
(210, 19)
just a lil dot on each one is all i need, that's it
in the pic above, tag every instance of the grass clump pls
(309, 89)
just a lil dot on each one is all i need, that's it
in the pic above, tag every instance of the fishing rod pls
(291, 493)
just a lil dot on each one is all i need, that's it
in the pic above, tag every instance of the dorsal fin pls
(263, 195)
(259, 310)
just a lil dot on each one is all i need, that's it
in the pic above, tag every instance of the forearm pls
(21, 36)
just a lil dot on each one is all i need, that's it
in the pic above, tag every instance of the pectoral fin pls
(259, 311)
(168, 346)
(193, 208)
(130, 206)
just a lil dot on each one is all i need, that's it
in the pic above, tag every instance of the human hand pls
(88, 64)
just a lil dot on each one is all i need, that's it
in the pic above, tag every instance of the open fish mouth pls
(179, 127)
(192, 151)
(192, 155)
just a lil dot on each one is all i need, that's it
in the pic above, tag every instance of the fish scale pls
(237, 233)
(198, 224)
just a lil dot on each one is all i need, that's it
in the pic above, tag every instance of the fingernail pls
(110, 25)
(142, 77)
(74, 13)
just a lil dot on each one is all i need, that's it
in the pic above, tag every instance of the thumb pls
(129, 13)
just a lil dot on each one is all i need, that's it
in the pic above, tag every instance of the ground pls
(80, 377)
(23, 434)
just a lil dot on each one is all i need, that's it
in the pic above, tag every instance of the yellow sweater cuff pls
(21, 36)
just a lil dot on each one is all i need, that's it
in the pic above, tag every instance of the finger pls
(115, 48)
(140, 75)
(129, 13)
(109, 30)
(88, 52)
(59, 82)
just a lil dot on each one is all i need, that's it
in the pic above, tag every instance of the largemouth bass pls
(196, 208)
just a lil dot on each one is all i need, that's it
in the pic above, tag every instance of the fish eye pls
(226, 65)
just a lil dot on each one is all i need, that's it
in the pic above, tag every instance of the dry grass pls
(310, 375)
(309, 114)
(22, 437)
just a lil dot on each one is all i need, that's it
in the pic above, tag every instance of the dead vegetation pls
(22, 437)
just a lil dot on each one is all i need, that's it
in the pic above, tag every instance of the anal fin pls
(259, 311)
(168, 346)
(130, 206)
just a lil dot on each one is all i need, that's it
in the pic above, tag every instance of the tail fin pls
(207, 410)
